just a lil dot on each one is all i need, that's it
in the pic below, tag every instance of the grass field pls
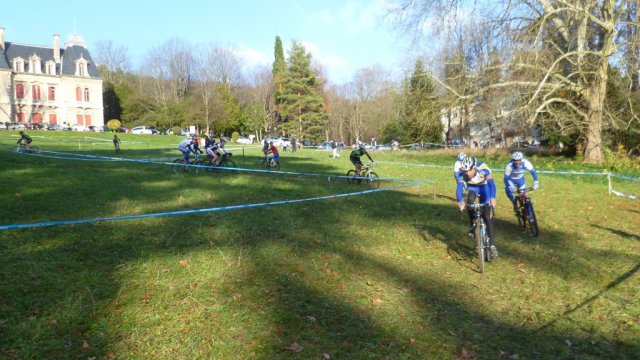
(385, 275)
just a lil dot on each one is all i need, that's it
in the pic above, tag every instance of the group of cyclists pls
(215, 150)
(477, 178)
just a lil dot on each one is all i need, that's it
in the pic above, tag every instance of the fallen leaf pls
(85, 344)
(568, 342)
(184, 263)
(412, 340)
(311, 319)
(237, 296)
(376, 301)
(18, 194)
(32, 317)
(326, 356)
(295, 347)
(409, 257)
(53, 322)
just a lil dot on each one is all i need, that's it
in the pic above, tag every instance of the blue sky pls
(343, 36)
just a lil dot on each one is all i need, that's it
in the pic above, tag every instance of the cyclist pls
(477, 176)
(274, 150)
(217, 151)
(24, 139)
(188, 146)
(355, 157)
(514, 176)
(458, 164)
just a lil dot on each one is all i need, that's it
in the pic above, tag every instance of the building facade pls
(50, 85)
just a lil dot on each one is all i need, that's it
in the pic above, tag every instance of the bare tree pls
(559, 58)
(113, 60)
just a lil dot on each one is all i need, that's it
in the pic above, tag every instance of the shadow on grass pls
(64, 291)
(620, 233)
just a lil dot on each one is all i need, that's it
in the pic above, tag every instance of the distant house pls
(49, 84)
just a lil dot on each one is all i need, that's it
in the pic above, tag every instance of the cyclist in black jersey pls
(355, 158)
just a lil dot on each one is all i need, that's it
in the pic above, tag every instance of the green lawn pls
(385, 275)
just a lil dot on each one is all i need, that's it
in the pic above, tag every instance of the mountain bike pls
(27, 149)
(179, 165)
(482, 238)
(226, 161)
(366, 174)
(269, 162)
(525, 212)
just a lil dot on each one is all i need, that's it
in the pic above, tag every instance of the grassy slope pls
(388, 274)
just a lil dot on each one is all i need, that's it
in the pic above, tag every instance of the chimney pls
(56, 48)
(1, 38)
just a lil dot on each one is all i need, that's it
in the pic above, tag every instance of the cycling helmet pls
(223, 140)
(468, 163)
(517, 155)
(361, 147)
(462, 156)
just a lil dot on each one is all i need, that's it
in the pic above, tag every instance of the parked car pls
(308, 143)
(141, 130)
(77, 127)
(123, 129)
(415, 147)
(279, 141)
(40, 126)
(56, 127)
(155, 131)
(16, 126)
(244, 140)
(327, 145)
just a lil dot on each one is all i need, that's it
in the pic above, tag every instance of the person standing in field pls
(116, 143)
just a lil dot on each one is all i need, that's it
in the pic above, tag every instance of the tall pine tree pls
(278, 71)
(421, 114)
(301, 105)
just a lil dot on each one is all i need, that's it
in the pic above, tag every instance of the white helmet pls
(517, 155)
(461, 156)
(468, 163)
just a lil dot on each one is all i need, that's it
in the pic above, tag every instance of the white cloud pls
(251, 57)
(352, 17)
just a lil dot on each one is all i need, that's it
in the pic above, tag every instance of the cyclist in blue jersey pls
(514, 176)
(479, 181)
(458, 164)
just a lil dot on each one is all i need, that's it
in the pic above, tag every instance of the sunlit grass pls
(390, 274)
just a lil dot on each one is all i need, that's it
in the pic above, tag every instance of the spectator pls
(293, 144)
(116, 143)
(334, 149)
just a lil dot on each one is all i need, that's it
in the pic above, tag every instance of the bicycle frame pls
(484, 246)
(524, 203)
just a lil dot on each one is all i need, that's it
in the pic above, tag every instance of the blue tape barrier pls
(539, 171)
(76, 156)
(198, 211)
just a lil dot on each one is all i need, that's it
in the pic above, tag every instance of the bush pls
(114, 124)
(176, 130)
(235, 136)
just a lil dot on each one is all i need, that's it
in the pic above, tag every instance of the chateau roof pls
(68, 56)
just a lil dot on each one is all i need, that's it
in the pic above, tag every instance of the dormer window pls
(81, 67)
(35, 65)
(18, 65)
(50, 68)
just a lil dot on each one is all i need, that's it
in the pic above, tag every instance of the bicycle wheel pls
(178, 166)
(480, 243)
(274, 165)
(262, 162)
(229, 164)
(487, 244)
(531, 217)
(352, 178)
(372, 180)
(519, 210)
(33, 150)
